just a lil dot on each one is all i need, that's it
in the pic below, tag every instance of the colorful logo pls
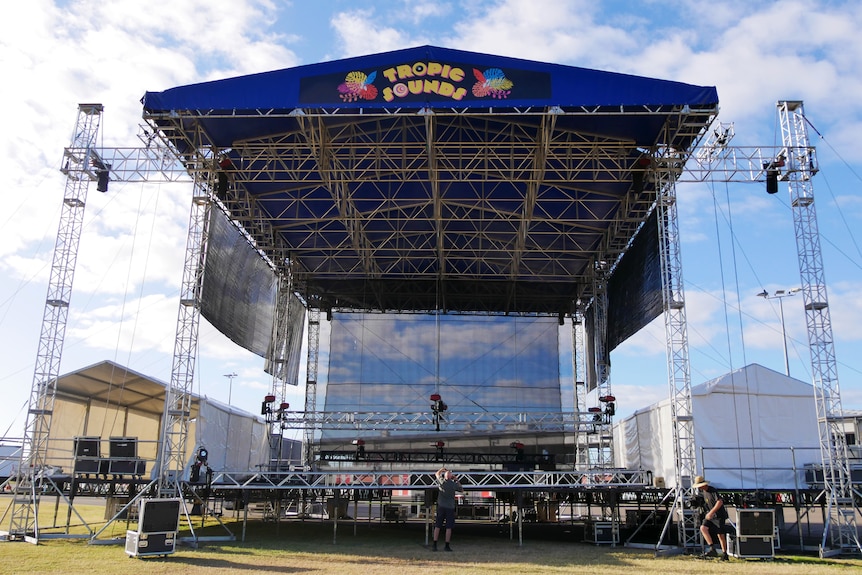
(492, 82)
(424, 78)
(358, 86)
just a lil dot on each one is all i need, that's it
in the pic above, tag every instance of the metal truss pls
(440, 456)
(277, 359)
(424, 421)
(570, 184)
(604, 446)
(676, 333)
(307, 419)
(470, 480)
(153, 163)
(81, 166)
(796, 164)
(579, 370)
(178, 396)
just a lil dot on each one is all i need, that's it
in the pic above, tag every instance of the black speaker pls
(431, 497)
(159, 515)
(87, 446)
(755, 522)
(126, 467)
(123, 447)
(755, 547)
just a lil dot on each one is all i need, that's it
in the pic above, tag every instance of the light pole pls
(780, 295)
(230, 377)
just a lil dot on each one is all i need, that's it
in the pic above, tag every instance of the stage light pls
(200, 461)
(438, 407)
(437, 403)
(519, 450)
(771, 181)
(102, 179)
(266, 405)
(221, 186)
(639, 175)
(772, 174)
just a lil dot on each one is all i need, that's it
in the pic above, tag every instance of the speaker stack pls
(755, 534)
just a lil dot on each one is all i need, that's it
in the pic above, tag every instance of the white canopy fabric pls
(754, 428)
(234, 439)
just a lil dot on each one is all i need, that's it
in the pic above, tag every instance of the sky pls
(736, 240)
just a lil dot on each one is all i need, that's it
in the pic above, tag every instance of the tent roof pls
(430, 178)
(756, 380)
(753, 378)
(114, 385)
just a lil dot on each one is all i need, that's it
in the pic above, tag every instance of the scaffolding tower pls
(796, 164)
(667, 161)
(81, 165)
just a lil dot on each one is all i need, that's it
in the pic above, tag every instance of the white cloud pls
(356, 27)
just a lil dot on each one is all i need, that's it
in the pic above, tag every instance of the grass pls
(375, 548)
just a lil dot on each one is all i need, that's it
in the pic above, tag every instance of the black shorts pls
(445, 516)
(715, 526)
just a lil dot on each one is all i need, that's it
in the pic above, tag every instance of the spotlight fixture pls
(438, 406)
(266, 406)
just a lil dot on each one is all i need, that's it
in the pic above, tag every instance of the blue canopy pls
(428, 76)
(431, 178)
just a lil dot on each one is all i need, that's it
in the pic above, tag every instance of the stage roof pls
(431, 178)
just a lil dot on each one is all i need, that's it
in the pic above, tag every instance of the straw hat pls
(699, 482)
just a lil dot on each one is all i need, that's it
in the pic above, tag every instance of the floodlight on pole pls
(780, 295)
(230, 377)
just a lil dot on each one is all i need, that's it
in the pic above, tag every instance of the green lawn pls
(308, 547)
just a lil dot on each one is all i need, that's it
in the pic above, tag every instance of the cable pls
(726, 316)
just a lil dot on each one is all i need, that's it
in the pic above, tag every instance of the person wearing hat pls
(712, 526)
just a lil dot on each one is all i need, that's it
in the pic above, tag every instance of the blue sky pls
(736, 240)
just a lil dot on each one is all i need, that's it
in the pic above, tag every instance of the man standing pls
(448, 486)
(714, 517)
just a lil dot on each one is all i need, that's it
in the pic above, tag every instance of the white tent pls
(235, 440)
(106, 400)
(754, 428)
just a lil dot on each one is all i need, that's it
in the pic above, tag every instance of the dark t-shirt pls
(710, 498)
(447, 487)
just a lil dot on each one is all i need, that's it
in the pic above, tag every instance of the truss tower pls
(81, 165)
(796, 165)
